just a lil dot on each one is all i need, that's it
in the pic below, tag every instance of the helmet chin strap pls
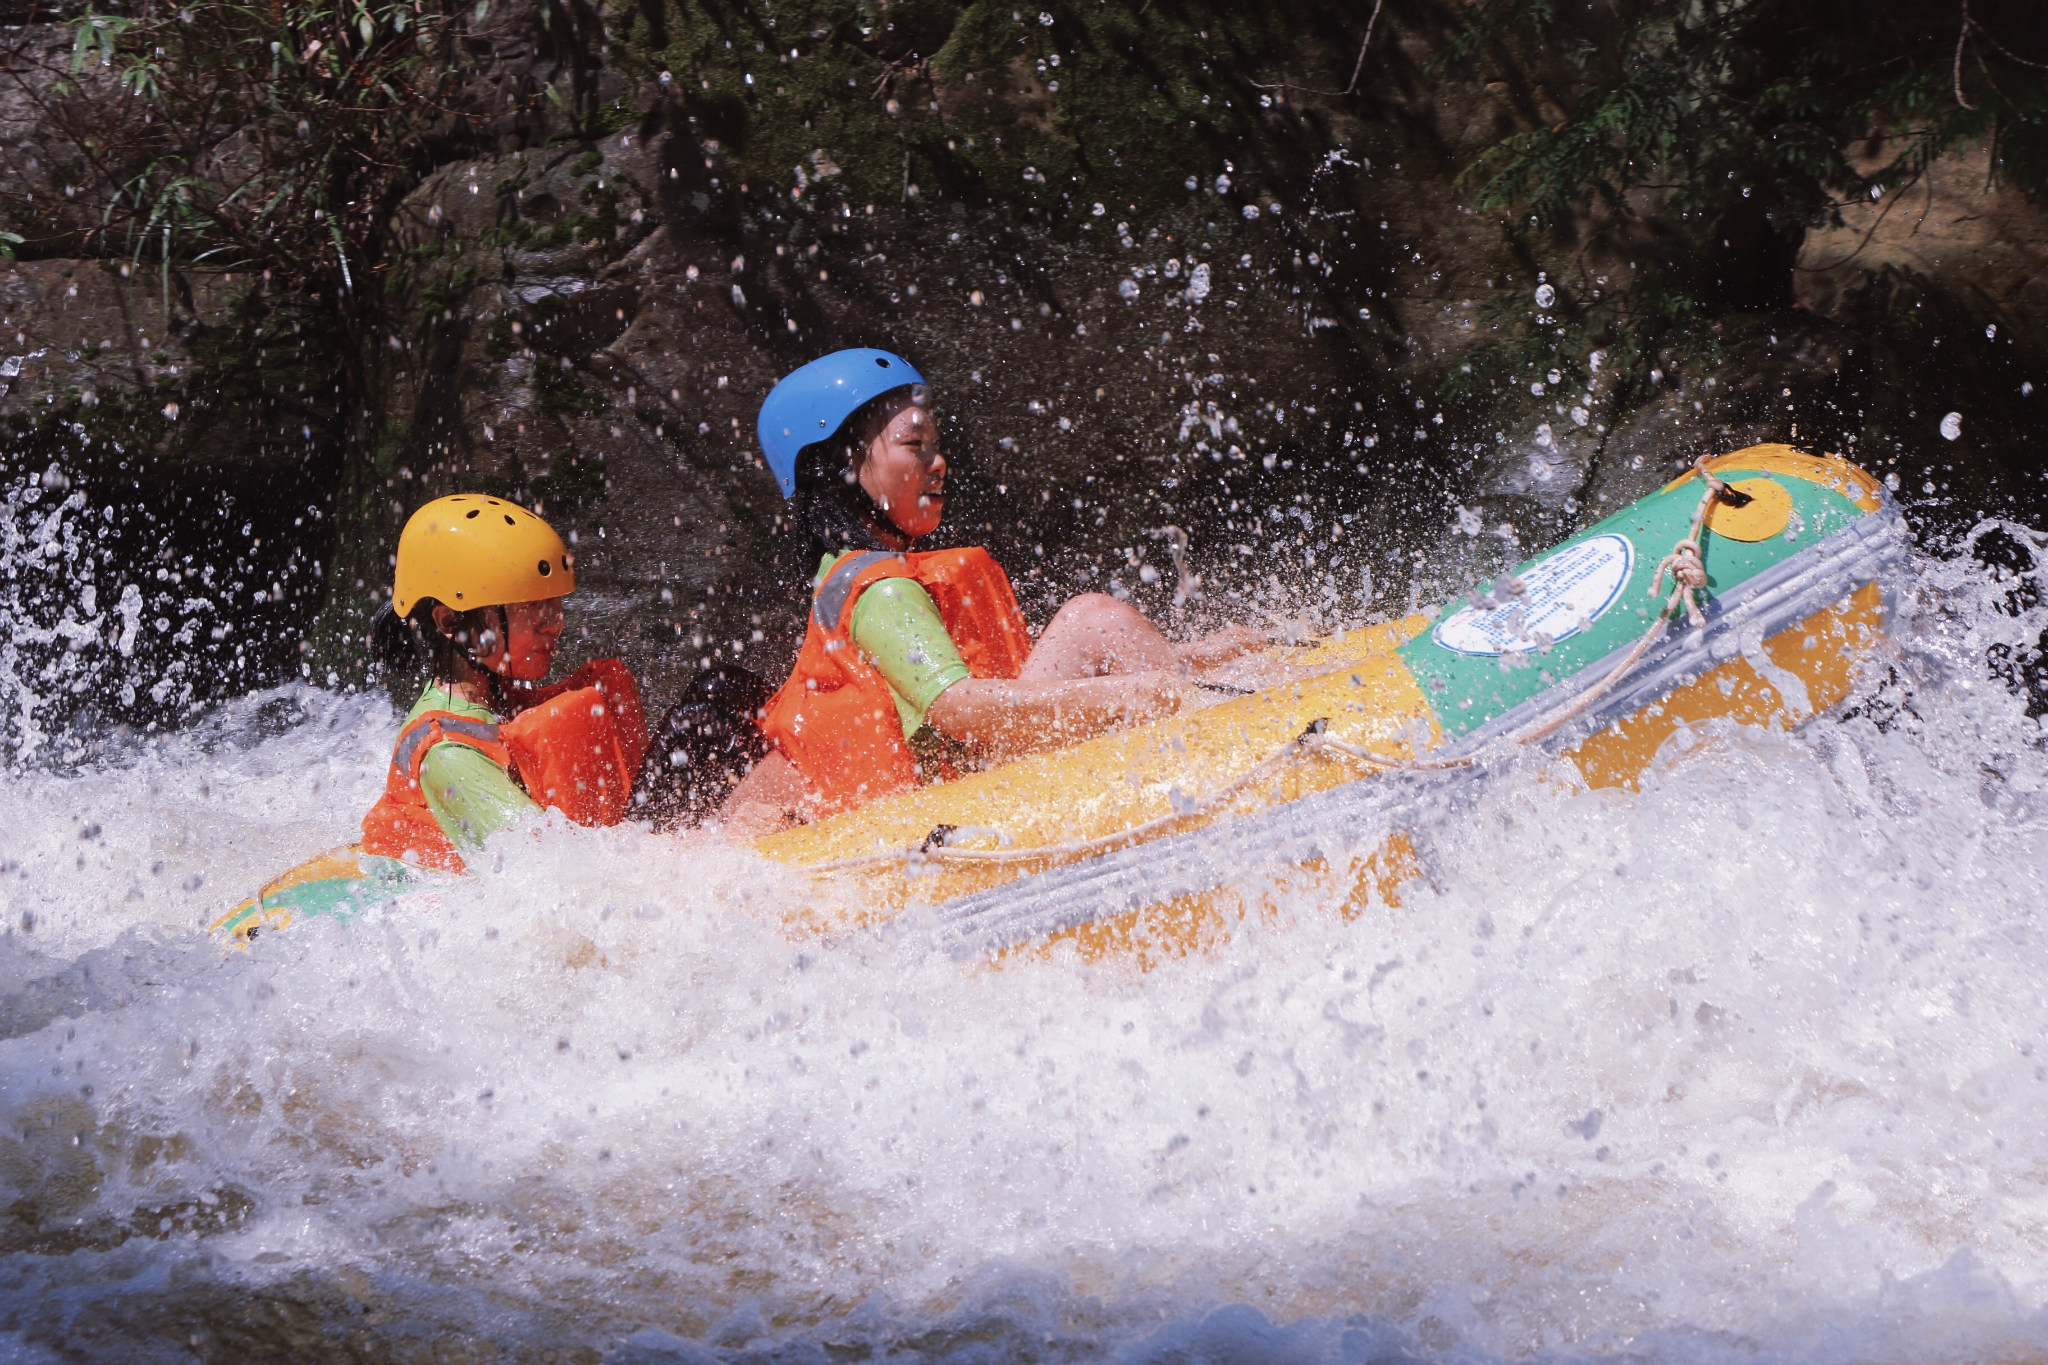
(493, 678)
(877, 516)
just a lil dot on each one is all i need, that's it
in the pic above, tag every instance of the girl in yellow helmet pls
(477, 599)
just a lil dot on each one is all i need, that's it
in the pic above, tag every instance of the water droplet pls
(1251, 210)
(1127, 288)
(1952, 426)
(1581, 416)
(1545, 295)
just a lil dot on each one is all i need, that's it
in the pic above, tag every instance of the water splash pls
(52, 644)
(613, 1094)
(123, 612)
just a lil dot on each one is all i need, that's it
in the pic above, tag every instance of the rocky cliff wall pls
(1156, 281)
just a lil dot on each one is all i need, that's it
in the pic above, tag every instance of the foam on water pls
(1747, 1065)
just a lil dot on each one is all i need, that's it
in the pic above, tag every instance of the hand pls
(1222, 645)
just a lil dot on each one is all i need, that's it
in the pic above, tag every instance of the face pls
(528, 651)
(901, 467)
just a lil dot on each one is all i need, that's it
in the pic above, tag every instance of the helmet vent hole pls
(883, 363)
(546, 568)
(509, 521)
(473, 514)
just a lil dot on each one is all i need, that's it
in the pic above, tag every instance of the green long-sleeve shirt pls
(471, 797)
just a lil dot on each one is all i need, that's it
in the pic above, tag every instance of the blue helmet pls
(812, 403)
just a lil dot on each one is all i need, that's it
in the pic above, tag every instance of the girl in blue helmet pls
(917, 665)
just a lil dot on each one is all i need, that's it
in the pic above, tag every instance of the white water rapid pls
(1750, 1065)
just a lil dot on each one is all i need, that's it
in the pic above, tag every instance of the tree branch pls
(1962, 36)
(1357, 67)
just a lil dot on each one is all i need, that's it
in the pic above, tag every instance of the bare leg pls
(1094, 635)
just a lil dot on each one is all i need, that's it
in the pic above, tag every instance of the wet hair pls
(831, 511)
(414, 644)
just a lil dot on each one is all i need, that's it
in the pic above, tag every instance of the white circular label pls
(1553, 600)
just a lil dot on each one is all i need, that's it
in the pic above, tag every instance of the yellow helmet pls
(469, 551)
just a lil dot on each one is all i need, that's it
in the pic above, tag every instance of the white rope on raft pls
(1688, 578)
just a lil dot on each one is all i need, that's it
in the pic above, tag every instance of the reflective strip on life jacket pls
(417, 738)
(401, 825)
(829, 604)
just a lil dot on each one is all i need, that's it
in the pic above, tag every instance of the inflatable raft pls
(1602, 650)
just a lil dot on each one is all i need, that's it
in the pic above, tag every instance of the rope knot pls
(1688, 579)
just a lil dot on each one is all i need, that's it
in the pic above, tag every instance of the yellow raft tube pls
(1137, 842)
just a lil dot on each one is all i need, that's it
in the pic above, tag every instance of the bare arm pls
(1020, 717)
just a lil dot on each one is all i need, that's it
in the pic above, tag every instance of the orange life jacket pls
(835, 719)
(574, 746)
